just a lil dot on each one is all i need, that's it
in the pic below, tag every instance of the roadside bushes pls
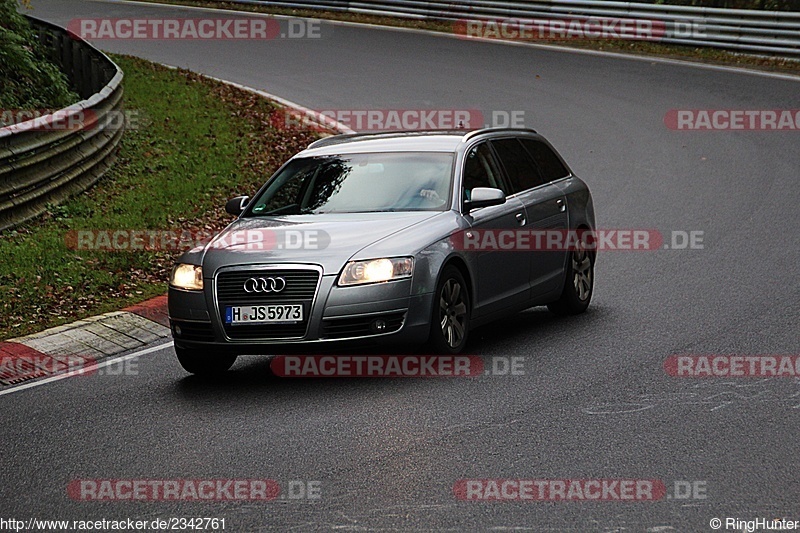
(28, 79)
(771, 5)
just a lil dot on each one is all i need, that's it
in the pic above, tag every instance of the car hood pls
(328, 240)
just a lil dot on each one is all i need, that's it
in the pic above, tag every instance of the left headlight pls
(187, 277)
(376, 270)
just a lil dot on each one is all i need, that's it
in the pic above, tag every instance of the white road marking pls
(312, 115)
(93, 367)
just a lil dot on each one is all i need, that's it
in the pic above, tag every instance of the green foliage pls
(28, 79)
(770, 5)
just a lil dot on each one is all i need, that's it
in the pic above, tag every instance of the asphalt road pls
(594, 401)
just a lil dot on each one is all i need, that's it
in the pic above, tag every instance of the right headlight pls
(376, 270)
(187, 277)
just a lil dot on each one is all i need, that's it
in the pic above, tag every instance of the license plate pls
(264, 314)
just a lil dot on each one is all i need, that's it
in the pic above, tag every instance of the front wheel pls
(451, 310)
(579, 283)
(202, 363)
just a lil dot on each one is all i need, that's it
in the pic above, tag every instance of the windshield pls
(359, 183)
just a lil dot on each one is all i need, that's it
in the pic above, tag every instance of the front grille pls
(301, 286)
(192, 331)
(361, 326)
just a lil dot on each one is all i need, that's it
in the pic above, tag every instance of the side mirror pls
(484, 197)
(235, 206)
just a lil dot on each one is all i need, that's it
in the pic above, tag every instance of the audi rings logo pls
(264, 285)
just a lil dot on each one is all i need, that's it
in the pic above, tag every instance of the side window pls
(548, 162)
(480, 170)
(520, 168)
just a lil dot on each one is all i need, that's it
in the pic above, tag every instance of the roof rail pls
(466, 134)
(337, 139)
(481, 131)
(333, 139)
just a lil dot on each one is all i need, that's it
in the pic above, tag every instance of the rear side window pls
(548, 162)
(520, 167)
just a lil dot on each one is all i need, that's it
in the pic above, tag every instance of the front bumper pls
(339, 318)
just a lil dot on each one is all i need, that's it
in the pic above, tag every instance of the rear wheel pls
(451, 310)
(579, 283)
(203, 363)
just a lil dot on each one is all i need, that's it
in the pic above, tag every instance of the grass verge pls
(198, 143)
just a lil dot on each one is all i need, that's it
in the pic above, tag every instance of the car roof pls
(402, 141)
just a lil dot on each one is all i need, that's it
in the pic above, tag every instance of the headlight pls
(189, 277)
(376, 270)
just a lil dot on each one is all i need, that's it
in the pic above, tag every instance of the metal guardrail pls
(44, 161)
(744, 30)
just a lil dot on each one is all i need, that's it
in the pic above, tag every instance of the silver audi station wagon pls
(387, 238)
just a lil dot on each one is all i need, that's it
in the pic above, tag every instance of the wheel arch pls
(461, 265)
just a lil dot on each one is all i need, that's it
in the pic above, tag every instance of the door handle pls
(561, 205)
(521, 219)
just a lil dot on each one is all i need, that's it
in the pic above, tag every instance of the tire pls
(450, 314)
(579, 282)
(202, 363)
